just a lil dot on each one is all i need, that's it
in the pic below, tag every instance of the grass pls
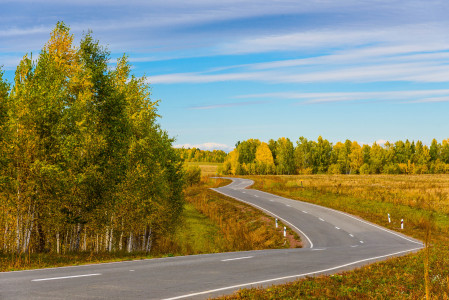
(207, 168)
(198, 234)
(422, 201)
(242, 227)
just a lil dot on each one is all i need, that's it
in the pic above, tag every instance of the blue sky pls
(232, 70)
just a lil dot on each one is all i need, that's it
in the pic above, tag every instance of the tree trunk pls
(5, 237)
(149, 241)
(41, 236)
(111, 238)
(18, 229)
(120, 243)
(57, 242)
(28, 230)
(79, 228)
(85, 240)
(130, 242)
(106, 239)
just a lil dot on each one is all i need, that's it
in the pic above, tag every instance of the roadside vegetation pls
(209, 223)
(207, 168)
(84, 165)
(241, 226)
(421, 200)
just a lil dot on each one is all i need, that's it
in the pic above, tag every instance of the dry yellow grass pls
(422, 191)
(207, 169)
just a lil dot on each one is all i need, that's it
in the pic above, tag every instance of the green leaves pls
(82, 153)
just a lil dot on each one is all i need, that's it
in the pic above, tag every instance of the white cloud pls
(405, 96)
(414, 53)
(8, 62)
(412, 72)
(380, 142)
(207, 146)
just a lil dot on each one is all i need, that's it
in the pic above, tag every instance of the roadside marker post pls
(402, 223)
(285, 231)
(276, 222)
(389, 220)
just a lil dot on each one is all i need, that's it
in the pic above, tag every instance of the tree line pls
(198, 155)
(83, 164)
(282, 157)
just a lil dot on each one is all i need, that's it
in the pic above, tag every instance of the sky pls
(226, 71)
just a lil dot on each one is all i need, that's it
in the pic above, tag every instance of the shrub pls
(192, 175)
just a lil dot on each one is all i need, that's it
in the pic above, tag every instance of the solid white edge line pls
(288, 277)
(348, 215)
(245, 257)
(66, 277)
(269, 212)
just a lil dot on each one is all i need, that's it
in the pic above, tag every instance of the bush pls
(192, 175)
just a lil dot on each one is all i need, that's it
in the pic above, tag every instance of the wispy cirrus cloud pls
(412, 72)
(414, 53)
(406, 96)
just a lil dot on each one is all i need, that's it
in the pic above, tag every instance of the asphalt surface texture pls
(333, 242)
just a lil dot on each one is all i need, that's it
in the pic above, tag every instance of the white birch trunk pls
(144, 241)
(111, 239)
(57, 242)
(85, 241)
(106, 239)
(28, 230)
(5, 237)
(97, 246)
(120, 243)
(149, 241)
(18, 229)
(130, 242)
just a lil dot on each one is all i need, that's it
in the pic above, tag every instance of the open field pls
(207, 168)
(422, 201)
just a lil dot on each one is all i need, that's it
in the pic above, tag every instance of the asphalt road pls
(334, 241)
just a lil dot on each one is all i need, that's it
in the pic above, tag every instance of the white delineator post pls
(389, 220)
(285, 231)
(402, 223)
(276, 222)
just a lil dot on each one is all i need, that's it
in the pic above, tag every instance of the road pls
(333, 242)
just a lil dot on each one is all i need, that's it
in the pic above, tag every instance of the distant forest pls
(197, 155)
(322, 157)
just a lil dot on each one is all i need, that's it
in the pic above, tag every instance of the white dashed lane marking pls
(238, 258)
(66, 277)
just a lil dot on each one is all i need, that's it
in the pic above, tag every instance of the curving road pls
(334, 241)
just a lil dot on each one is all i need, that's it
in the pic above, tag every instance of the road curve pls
(334, 241)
